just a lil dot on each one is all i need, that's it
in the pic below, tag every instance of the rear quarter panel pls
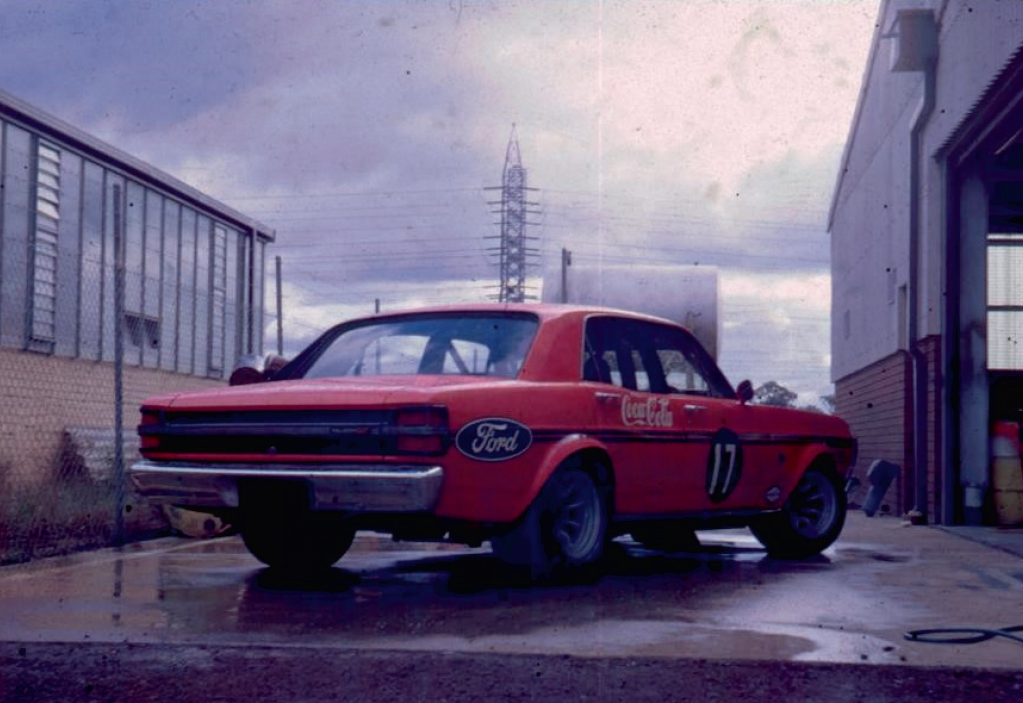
(498, 489)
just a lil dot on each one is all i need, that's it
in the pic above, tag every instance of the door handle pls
(693, 408)
(609, 398)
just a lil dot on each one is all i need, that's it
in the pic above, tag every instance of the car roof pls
(543, 310)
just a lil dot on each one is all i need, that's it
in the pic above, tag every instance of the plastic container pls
(1007, 473)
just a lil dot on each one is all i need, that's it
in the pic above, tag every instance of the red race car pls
(546, 429)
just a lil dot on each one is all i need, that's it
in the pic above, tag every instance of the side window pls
(600, 351)
(642, 377)
(617, 351)
(643, 370)
(680, 375)
(685, 366)
(650, 357)
(611, 363)
(601, 367)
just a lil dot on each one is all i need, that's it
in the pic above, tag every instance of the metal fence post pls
(119, 472)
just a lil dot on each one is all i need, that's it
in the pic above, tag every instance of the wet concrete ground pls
(726, 602)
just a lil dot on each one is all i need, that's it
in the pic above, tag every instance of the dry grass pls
(61, 517)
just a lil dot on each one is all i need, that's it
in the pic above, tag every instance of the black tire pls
(665, 536)
(563, 531)
(298, 542)
(280, 530)
(811, 519)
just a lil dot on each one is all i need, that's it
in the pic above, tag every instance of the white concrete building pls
(926, 231)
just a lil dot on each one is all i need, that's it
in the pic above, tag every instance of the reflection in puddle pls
(702, 603)
(332, 580)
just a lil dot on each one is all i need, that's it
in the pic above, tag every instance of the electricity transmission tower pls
(514, 210)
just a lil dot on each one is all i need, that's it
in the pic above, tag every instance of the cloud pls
(777, 328)
(704, 131)
(140, 66)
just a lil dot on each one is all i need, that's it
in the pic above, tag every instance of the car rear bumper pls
(349, 487)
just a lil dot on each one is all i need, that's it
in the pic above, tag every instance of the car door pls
(697, 401)
(646, 428)
(719, 460)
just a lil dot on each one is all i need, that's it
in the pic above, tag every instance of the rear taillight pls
(148, 439)
(422, 430)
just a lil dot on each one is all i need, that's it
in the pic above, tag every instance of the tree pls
(773, 393)
(828, 403)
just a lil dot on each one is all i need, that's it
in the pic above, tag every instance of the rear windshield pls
(476, 345)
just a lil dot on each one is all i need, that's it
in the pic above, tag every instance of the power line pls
(350, 194)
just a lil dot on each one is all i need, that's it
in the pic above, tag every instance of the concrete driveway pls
(727, 603)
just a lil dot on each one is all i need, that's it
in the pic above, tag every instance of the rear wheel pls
(563, 530)
(280, 530)
(811, 519)
(297, 542)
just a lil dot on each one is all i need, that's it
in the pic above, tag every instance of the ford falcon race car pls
(546, 429)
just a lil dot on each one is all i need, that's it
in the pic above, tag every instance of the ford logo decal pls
(493, 439)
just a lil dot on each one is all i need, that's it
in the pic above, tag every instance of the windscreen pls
(475, 345)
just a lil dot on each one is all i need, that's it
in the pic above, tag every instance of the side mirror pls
(272, 364)
(256, 369)
(744, 392)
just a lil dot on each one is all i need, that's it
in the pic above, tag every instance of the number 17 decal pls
(724, 465)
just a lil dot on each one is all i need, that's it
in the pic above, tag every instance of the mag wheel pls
(574, 523)
(811, 519)
(564, 529)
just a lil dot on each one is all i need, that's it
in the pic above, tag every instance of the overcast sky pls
(673, 132)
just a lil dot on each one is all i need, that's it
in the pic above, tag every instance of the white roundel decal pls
(493, 439)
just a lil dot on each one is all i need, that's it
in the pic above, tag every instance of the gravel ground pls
(139, 673)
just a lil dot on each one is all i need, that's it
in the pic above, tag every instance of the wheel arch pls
(583, 452)
(817, 455)
(809, 457)
(813, 514)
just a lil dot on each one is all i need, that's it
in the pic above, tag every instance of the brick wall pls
(42, 395)
(876, 403)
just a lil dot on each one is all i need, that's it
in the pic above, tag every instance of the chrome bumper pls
(356, 487)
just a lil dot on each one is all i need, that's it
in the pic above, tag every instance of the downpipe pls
(919, 360)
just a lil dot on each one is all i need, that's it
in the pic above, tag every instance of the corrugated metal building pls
(927, 252)
(193, 284)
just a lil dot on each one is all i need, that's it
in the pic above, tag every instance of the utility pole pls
(514, 209)
(280, 309)
(566, 261)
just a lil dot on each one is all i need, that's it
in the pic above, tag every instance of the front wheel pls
(563, 530)
(811, 519)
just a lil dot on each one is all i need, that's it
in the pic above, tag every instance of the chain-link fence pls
(65, 450)
(61, 484)
(112, 291)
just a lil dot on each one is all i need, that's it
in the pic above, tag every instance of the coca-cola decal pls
(646, 412)
(493, 439)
